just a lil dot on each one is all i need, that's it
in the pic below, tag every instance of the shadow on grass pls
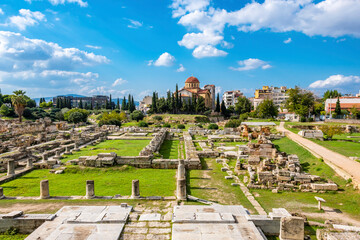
(204, 188)
(305, 166)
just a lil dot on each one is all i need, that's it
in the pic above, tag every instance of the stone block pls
(291, 228)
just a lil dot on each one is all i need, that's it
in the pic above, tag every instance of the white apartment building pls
(231, 97)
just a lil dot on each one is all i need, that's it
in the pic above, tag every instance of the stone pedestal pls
(291, 228)
(29, 163)
(181, 169)
(90, 189)
(67, 151)
(44, 189)
(1, 193)
(76, 147)
(11, 168)
(135, 191)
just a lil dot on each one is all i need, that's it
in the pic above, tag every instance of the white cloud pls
(26, 18)
(336, 81)
(181, 68)
(191, 40)
(1, 12)
(119, 82)
(332, 18)
(203, 51)
(80, 2)
(181, 7)
(250, 64)
(93, 47)
(218, 90)
(165, 60)
(134, 23)
(289, 40)
(33, 64)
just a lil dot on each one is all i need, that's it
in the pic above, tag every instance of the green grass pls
(197, 146)
(347, 199)
(12, 237)
(229, 144)
(346, 148)
(108, 182)
(120, 147)
(170, 149)
(210, 184)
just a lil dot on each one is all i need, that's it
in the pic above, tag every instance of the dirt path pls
(329, 214)
(340, 163)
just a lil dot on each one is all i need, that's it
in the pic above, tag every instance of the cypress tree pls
(338, 107)
(81, 104)
(110, 105)
(217, 108)
(176, 99)
(223, 109)
(57, 103)
(123, 104)
(118, 103)
(91, 106)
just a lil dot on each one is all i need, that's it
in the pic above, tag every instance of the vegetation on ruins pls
(330, 130)
(137, 115)
(76, 115)
(112, 118)
(213, 126)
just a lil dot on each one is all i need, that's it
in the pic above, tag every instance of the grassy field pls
(120, 147)
(12, 237)
(346, 148)
(210, 184)
(170, 149)
(108, 182)
(346, 200)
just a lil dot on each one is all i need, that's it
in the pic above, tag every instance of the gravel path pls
(343, 165)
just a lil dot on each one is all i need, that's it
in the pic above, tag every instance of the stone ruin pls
(155, 143)
(270, 169)
(317, 134)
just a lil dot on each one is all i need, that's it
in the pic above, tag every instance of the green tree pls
(4, 110)
(217, 107)
(223, 109)
(243, 105)
(75, 117)
(330, 130)
(200, 105)
(331, 94)
(300, 101)
(81, 104)
(137, 115)
(177, 104)
(153, 108)
(118, 103)
(18, 100)
(338, 107)
(267, 109)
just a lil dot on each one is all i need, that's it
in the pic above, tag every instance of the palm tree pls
(19, 102)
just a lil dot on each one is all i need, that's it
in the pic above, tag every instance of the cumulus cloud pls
(1, 12)
(250, 64)
(119, 82)
(165, 60)
(336, 81)
(26, 18)
(29, 63)
(333, 18)
(80, 2)
(134, 23)
(287, 41)
(181, 7)
(203, 51)
(181, 68)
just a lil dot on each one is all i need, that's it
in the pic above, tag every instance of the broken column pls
(90, 189)
(44, 157)
(291, 228)
(11, 167)
(76, 147)
(29, 163)
(135, 192)
(44, 189)
(181, 181)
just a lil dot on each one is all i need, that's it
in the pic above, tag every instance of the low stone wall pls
(136, 161)
(349, 121)
(25, 224)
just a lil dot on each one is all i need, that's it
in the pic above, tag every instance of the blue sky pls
(51, 47)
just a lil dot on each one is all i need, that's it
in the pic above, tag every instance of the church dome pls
(192, 80)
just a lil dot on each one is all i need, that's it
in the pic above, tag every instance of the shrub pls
(202, 119)
(330, 130)
(143, 124)
(181, 126)
(303, 119)
(310, 120)
(82, 112)
(166, 125)
(111, 121)
(199, 125)
(158, 118)
(234, 117)
(4, 110)
(158, 126)
(233, 123)
(213, 126)
(75, 117)
(137, 115)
